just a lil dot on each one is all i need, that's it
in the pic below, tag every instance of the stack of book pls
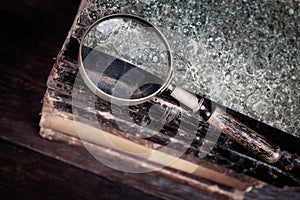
(73, 115)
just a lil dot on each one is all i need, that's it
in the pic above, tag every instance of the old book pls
(227, 170)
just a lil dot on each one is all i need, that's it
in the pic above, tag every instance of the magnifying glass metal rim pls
(111, 98)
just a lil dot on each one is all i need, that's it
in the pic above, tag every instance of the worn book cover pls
(175, 146)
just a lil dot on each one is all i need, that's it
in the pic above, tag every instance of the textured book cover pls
(197, 156)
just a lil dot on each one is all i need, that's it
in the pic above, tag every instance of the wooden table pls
(32, 33)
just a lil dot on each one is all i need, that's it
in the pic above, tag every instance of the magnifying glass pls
(126, 60)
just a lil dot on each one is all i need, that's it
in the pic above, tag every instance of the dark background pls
(32, 33)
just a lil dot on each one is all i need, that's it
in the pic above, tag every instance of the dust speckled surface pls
(242, 54)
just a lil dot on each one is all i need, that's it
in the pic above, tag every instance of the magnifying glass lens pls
(126, 58)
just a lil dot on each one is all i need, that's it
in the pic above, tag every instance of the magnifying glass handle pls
(227, 124)
(244, 135)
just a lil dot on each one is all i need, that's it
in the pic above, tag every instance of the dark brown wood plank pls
(40, 177)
